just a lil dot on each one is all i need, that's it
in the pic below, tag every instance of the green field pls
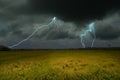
(60, 65)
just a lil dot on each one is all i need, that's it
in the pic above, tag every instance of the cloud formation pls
(23, 26)
(109, 27)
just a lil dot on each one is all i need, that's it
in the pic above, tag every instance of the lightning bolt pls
(90, 29)
(33, 33)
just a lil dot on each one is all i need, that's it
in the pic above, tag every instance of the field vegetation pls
(60, 65)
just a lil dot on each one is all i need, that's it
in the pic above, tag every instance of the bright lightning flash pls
(90, 29)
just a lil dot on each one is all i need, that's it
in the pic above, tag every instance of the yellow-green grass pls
(60, 65)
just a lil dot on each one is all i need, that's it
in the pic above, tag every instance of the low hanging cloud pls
(109, 27)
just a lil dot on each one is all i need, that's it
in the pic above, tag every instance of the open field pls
(60, 65)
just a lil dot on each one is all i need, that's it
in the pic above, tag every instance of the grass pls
(60, 65)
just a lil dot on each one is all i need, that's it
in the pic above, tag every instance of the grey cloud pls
(109, 27)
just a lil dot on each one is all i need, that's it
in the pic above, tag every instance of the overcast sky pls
(19, 18)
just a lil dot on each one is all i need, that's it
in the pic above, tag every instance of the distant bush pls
(4, 48)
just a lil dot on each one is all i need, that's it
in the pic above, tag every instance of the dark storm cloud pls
(19, 18)
(109, 27)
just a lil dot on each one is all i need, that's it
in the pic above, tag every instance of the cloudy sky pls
(20, 18)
